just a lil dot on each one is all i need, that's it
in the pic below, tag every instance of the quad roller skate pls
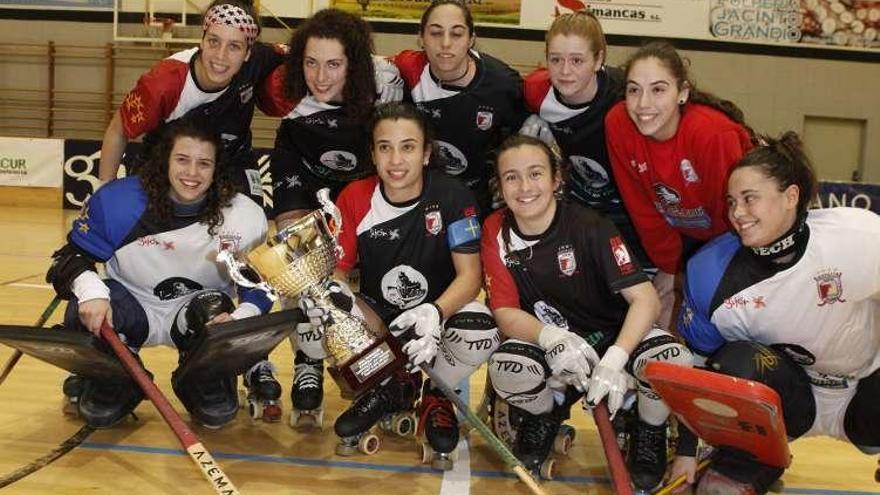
(264, 392)
(438, 429)
(72, 389)
(390, 406)
(307, 394)
(536, 440)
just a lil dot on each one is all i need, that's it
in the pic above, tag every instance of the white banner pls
(31, 162)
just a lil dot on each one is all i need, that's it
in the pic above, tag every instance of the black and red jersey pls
(405, 250)
(570, 276)
(469, 122)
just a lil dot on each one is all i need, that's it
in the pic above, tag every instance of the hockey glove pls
(610, 379)
(425, 321)
(569, 356)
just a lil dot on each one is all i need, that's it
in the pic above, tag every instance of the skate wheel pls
(564, 440)
(442, 463)
(547, 468)
(272, 413)
(254, 410)
(346, 450)
(70, 407)
(369, 444)
(294, 418)
(427, 453)
(778, 486)
(404, 425)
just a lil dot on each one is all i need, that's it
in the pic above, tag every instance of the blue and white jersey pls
(823, 311)
(163, 262)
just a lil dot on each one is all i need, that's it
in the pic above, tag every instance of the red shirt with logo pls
(675, 187)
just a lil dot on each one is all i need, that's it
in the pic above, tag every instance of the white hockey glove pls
(340, 296)
(426, 321)
(537, 127)
(389, 85)
(610, 379)
(569, 356)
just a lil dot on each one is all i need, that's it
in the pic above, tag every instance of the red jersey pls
(675, 187)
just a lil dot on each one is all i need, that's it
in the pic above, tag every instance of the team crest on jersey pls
(404, 286)
(621, 255)
(484, 120)
(830, 287)
(433, 222)
(550, 315)
(688, 172)
(229, 241)
(566, 259)
(246, 94)
(339, 160)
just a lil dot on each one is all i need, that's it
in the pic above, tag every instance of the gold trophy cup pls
(299, 260)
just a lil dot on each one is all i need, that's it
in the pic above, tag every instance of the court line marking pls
(393, 468)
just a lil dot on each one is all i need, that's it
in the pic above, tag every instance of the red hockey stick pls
(619, 475)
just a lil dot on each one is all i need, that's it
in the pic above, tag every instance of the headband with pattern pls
(233, 16)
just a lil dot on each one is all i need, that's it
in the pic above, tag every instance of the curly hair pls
(355, 36)
(157, 186)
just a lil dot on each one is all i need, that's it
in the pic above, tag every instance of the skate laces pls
(307, 376)
(438, 410)
(261, 372)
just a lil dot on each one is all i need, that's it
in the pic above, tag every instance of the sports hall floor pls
(143, 457)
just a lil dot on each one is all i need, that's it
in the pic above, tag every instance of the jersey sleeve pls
(107, 219)
(410, 63)
(613, 257)
(348, 204)
(271, 97)
(535, 87)
(662, 243)
(153, 98)
(501, 290)
(463, 232)
(717, 156)
(704, 273)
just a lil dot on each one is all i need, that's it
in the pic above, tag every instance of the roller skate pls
(646, 457)
(104, 403)
(534, 443)
(390, 406)
(307, 393)
(438, 429)
(264, 392)
(72, 389)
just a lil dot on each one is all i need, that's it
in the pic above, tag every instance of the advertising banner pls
(31, 162)
(484, 11)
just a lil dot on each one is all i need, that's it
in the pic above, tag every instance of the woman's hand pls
(686, 466)
(93, 312)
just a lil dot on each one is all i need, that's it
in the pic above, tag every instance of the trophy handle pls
(233, 266)
(330, 210)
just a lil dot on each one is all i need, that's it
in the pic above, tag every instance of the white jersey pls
(163, 263)
(823, 311)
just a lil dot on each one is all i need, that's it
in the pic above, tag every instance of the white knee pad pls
(519, 374)
(658, 345)
(469, 337)
(309, 339)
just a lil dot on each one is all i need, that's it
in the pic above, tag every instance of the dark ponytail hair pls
(785, 161)
(678, 66)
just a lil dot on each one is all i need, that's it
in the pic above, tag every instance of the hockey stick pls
(677, 482)
(13, 359)
(619, 475)
(494, 442)
(65, 447)
(197, 452)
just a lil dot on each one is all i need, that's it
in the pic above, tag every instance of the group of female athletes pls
(622, 191)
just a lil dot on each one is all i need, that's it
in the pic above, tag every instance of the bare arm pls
(644, 306)
(465, 286)
(112, 149)
(517, 324)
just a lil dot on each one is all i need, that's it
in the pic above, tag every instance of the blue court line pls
(392, 468)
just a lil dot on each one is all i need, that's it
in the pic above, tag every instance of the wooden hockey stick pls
(619, 475)
(677, 482)
(197, 452)
(494, 442)
(13, 359)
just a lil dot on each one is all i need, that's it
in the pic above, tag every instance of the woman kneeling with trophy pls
(415, 234)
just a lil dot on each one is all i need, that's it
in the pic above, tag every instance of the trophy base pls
(369, 368)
